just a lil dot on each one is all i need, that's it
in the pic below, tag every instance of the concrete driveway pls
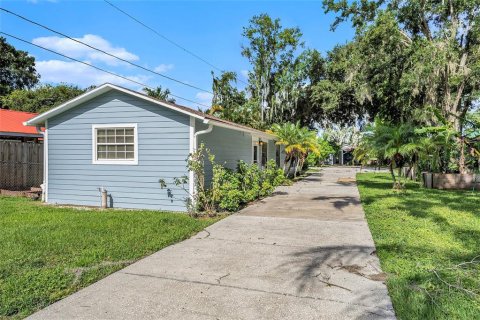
(304, 253)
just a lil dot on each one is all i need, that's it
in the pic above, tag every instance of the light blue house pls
(125, 141)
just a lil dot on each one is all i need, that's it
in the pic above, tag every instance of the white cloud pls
(57, 71)
(79, 51)
(244, 73)
(204, 98)
(163, 67)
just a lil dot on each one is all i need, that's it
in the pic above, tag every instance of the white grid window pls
(115, 144)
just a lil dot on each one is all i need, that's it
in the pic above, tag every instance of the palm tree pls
(365, 153)
(434, 142)
(308, 144)
(298, 141)
(397, 143)
(286, 134)
(160, 94)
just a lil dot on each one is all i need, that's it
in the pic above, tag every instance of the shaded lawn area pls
(47, 253)
(426, 240)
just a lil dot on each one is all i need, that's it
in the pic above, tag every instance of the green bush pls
(250, 180)
(272, 178)
(229, 195)
(312, 160)
(246, 184)
(229, 189)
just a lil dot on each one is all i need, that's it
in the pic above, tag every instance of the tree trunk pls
(390, 166)
(292, 160)
(461, 160)
(399, 175)
(285, 161)
(295, 170)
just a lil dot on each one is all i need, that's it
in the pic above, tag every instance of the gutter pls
(254, 132)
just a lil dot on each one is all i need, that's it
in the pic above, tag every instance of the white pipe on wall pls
(195, 146)
(195, 137)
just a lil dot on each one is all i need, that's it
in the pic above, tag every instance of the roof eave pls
(242, 129)
(40, 119)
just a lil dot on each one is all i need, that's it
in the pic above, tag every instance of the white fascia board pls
(147, 98)
(252, 131)
(40, 119)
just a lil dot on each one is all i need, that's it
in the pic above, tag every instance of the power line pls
(102, 51)
(167, 39)
(98, 68)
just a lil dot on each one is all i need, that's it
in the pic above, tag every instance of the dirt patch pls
(346, 180)
(32, 194)
(356, 269)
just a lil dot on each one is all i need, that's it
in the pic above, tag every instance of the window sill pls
(115, 162)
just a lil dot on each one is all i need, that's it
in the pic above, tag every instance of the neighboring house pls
(21, 153)
(126, 141)
(12, 126)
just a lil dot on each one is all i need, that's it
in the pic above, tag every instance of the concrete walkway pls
(305, 253)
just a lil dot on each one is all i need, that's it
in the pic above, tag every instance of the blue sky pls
(211, 29)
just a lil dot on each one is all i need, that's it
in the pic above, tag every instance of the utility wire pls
(102, 51)
(168, 40)
(98, 68)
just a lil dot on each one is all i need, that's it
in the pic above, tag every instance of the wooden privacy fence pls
(21, 165)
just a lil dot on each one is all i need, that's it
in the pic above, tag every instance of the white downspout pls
(193, 148)
(45, 161)
(195, 137)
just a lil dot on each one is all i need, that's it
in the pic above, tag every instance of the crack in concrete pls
(207, 232)
(255, 290)
(224, 276)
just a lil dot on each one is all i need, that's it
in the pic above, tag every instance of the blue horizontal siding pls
(228, 146)
(163, 147)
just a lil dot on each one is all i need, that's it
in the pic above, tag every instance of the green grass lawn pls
(426, 241)
(47, 253)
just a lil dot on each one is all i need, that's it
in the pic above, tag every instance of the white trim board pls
(38, 120)
(133, 161)
(41, 118)
(192, 147)
(45, 163)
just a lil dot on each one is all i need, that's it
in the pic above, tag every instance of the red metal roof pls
(12, 122)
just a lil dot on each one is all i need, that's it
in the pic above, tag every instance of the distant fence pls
(21, 165)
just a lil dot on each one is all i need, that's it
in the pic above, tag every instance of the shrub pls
(272, 178)
(227, 185)
(229, 189)
(312, 160)
(249, 176)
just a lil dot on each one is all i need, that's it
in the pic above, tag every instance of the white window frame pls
(253, 154)
(255, 142)
(133, 161)
(260, 147)
(279, 147)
